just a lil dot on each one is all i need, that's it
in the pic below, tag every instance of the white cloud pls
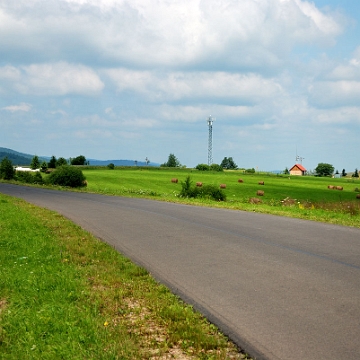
(335, 93)
(15, 108)
(166, 33)
(58, 78)
(347, 71)
(341, 116)
(9, 73)
(188, 86)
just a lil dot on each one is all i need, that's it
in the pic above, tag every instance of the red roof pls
(299, 166)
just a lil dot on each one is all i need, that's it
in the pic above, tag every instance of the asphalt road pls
(281, 288)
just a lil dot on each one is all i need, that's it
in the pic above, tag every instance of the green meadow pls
(305, 197)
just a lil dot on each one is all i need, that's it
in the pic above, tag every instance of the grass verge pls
(66, 295)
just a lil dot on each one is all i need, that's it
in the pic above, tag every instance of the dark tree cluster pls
(228, 163)
(172, 162)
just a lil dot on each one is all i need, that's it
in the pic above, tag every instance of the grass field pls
(66, 295)
(303, 197)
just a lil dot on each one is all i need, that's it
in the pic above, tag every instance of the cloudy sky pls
(121, 79)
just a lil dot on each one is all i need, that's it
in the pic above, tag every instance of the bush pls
(203, 167)
(29, 177)
(205, 192)
(7, 171)
(216, 167)
(111, 166)
(67, 176)
(211, 192)
(250, 171)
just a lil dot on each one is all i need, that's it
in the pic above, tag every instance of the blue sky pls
(116, 79)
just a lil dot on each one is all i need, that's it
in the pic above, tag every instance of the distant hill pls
(119, 163)
(18, 158)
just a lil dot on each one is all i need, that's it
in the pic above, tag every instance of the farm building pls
(297, 169)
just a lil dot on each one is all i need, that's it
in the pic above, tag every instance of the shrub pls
(216, 167)
(211, 192)
(203, 167)
(7, 171)
(206, 191)
(111, 166)
(67, 176)
(29, 177)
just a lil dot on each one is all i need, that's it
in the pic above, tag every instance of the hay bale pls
(174, 180)
(199, 184)
(331, 187)
(254, 201)
(339, 188)
(240, 181)
(261, 183)
(222, 186)
(260, 193)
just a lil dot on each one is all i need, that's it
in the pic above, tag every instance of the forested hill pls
(16, 158)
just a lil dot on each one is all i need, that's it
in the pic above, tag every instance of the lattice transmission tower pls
(210, 121)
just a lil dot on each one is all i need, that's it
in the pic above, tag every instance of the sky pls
(116, 79)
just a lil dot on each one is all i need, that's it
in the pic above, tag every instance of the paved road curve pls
(281, 288)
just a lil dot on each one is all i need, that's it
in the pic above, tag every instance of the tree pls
(228, 163)
(172, 162)
(79, 160)
(355, 174)
(35, 163)
(343, 173)
(52, 162)
(7, 171)
(286, 171)
(61, 161)
(324, 169)
(44, 166)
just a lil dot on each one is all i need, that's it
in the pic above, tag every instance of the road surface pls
(280, 288)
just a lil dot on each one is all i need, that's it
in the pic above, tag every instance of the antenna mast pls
(299, 158)
(210, 121)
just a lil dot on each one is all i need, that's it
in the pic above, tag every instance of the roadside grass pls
(66, 295)
(300, 197)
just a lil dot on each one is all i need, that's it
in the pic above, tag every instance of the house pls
(297, 169)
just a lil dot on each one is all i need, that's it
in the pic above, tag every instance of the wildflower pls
(106, 323)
